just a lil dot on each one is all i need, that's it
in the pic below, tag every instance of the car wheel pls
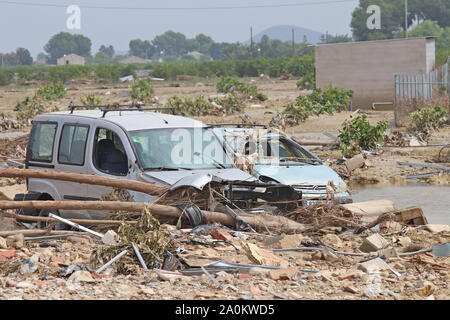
(45, 224)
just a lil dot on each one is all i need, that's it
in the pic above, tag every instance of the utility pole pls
(293, 43)
(251, 42)
(406, 18)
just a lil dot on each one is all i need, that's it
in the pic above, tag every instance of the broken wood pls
(47, 219)
(412, 215)
(91, 179)
(37, 232)
(382, 218)
(260, 222)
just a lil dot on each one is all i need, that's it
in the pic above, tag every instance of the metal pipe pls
(138, 255)
(76, 225)
(111, 262)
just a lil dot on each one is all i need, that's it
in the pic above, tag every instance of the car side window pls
(41, 141)
(109, 153)
(72, 145)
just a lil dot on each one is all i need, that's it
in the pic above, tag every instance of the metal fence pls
(421, 86)
(412, 90)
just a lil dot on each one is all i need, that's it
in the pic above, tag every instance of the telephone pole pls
(251, 41)
(293, 43)
(406, 18)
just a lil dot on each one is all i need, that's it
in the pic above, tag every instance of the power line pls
(181, 8)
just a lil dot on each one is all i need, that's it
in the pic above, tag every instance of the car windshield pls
(179, 148)
(284, 150)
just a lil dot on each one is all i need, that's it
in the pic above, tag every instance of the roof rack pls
(238, 125)
(133, 105)
(105, 111)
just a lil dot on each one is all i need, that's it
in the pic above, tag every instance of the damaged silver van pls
(159, 148)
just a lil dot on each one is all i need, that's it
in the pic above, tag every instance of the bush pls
(29, 108)
(200, 106)
(425, 120)
(318, 102)
(91, 99)
(52, 91)
(308, 82)
(141, 91)
(229, 84)
(358, 134)
(5, 77)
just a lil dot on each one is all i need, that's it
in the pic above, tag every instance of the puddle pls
(434, 200)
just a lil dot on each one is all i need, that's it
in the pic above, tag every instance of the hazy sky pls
(32, 26)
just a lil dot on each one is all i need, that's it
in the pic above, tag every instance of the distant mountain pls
(284, 33)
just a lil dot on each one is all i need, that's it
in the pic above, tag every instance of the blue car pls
(274, 157)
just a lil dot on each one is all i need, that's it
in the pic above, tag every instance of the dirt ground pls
(322, 276)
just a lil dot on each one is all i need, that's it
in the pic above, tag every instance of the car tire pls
(44, 224)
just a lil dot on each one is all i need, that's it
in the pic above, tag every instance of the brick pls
(244, 276)
(283, 274)
(220, 234)
(373, 243)
(352, 289)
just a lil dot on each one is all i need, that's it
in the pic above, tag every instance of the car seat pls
(111, 159)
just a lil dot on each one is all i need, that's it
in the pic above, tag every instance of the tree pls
(142, 49)
(24, 57)
(392, 20)
(109, 51)
(437, 10)
(338, 38)
(102, 58)
(432, 28)
(203, 43)
(172, 43)
(66, 43)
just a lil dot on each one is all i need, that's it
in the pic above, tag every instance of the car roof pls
(129, 120)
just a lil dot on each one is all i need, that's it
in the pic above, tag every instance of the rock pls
(24, 285)
(255, 271)
(329, 256)
(355, 162)
(373, 243)
(290, 241)
(332, 240)
(3, 244)
(110, 238)
(283, 274)
(29, 265)
(391, 227)
(351, 289)
(169, 276)
(404, 241)
(15, 241)
(81, 276)
(79, 240)
(436, 228)
(10, 283)
(388, 253)
(261, 256)
(374, 265)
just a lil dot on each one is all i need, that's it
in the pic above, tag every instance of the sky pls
(31, 26)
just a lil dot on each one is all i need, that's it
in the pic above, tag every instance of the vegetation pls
(52, 91)
(141, 91)
(66, 43)
(21, 57)
(229, 84)
(201, 106)
(308, 82)
(318, 102)
(426, 120)
(91, 99)
(358, 134)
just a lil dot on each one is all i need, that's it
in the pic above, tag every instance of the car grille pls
(311, 187)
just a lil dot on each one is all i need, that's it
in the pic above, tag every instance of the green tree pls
(432, 28)
(24, 57)
(437, 10)
(66, 43)
(338, 38)
(141, 48)
(109, 51)
(172, 43)
(101, 58)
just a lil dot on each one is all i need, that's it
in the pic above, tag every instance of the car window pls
(72, 145)
(109, 153)
(42, 141)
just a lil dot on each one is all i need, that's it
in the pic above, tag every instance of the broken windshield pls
(179, 149)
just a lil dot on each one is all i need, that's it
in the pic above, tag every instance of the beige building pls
(71, 59)
(368, 67)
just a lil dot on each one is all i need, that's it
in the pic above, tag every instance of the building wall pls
(368, 68)
(73, 59)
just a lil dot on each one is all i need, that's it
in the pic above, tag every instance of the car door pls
(110, 156)
(71, 157)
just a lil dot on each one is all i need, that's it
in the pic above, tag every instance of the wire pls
(181, 8)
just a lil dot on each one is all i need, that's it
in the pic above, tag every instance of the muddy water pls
(434, 200)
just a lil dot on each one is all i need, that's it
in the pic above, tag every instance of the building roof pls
(71, 55)
(372, 41)
(131, 120)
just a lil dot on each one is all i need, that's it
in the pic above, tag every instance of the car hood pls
(300, 174)
(171, 177)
